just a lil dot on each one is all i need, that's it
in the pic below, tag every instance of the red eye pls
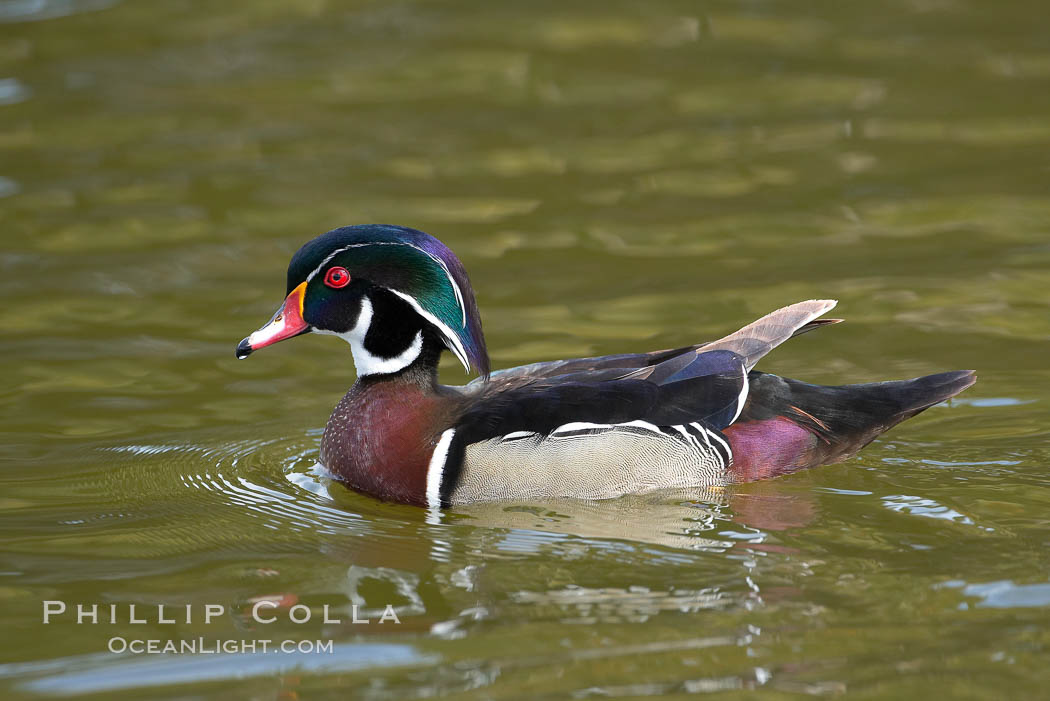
(337, 277)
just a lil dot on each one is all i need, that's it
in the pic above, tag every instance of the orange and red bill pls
(286, 323)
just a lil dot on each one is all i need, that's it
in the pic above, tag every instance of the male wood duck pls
(590, 428)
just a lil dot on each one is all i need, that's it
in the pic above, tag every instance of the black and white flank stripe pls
(594, 460)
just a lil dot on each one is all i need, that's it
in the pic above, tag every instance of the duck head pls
(396, 295)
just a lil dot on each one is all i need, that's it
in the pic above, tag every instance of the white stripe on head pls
(436, 468)
(448, 273)
(453, 342)
(367, 363)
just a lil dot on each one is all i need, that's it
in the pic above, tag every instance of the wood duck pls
(589, 428)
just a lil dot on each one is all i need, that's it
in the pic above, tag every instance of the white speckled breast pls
(595, 463)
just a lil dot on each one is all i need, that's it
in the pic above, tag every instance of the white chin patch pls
(365, 362)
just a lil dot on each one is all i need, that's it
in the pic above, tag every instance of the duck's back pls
(696, 416)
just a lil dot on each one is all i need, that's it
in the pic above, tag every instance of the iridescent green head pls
(376, 286)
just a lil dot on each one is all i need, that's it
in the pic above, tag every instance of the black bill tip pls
(244, 349)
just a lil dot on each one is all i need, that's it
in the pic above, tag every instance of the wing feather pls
(759, 337)
(753, 341)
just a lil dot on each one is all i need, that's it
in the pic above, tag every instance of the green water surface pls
(616, 177)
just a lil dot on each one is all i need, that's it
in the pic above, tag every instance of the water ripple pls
(34, 10)
(275, 482)
(13, 91)
(1004, 593)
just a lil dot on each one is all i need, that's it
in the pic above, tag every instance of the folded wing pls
(601, 427)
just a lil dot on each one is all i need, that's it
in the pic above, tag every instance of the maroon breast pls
(380, 438)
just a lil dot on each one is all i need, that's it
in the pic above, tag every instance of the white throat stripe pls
(367, 363)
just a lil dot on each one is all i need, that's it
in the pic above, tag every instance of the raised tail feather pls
(848, 417)
(759, 337)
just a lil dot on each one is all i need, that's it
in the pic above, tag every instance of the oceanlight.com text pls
(202, 646)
